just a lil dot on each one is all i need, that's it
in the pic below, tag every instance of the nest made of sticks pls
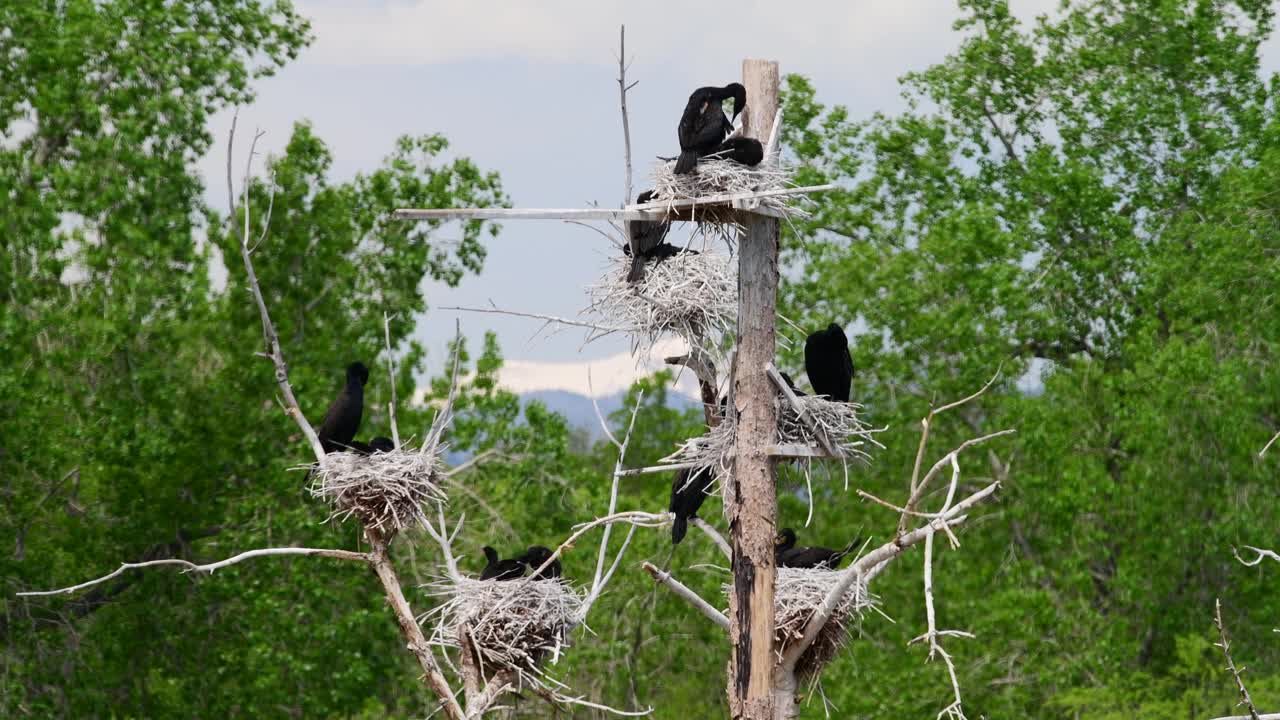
(512, 625)
(797, 594)
(385, 490)
(716, 176)
(693, 296)
(839, 421)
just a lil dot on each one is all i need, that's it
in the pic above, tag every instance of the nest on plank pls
(838, 421)
(716, 176)
(385, 490)
(693, 296)
(797, 594)
(511, 625)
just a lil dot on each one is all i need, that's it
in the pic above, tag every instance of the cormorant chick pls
(703, 125)
(381, 444)
(343, 417)
(645, 236)
(791, 384)
(742, 150)
(509, 569)
(827, 361)
(786, 554)
(535, 556)
(688, 491)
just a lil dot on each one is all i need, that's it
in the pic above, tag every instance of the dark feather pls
(786, 554)
(828, 363)
(343, 417)
(703, 125)
(688, 492)
(535, 556)
(742, 150)
(496, 569)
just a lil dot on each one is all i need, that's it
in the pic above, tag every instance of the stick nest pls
(715, 176)
(839, 421)
(385, 490)
(691, 296)
(513, 625)
(797, 594)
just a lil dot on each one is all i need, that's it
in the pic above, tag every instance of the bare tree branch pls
(208, 567)
(391, 372)
(268, 330)
(687, 595)
(714, 534)
(1225, 644)
(1261, 555)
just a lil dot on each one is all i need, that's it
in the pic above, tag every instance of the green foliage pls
(1087, 202)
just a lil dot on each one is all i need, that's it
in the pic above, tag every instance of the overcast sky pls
(528, 89)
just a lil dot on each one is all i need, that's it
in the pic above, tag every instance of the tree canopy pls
(1086, 203)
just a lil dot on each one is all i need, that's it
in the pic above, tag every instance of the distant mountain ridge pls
(579, 412)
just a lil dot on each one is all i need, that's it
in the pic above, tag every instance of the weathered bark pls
(750, 495)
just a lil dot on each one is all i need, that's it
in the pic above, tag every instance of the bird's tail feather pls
(637, 269)
(679, 527)
(687, 161)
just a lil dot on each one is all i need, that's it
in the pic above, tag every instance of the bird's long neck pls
(491, 555)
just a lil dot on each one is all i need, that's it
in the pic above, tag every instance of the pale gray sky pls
(527, 89)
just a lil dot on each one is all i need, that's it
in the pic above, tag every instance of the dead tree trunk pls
(750, 496)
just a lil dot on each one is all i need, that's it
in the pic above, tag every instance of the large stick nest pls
(385, 490)
(714, 176)
(838, 420)
(512, 625)
(692, 296)
(797, 594)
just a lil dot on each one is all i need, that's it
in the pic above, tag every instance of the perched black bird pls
(535, 556)
(509, 569)
(786, 554)
(827, 361)
(703, 125)
(343, 418)
(688, 491)
(742, 150)
(791, 384)
(381, 444)
(645, 236)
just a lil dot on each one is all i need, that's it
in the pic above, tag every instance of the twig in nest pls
(387, 491)
(716, 176)
(691, 296)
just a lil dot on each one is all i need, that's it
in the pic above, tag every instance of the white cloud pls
(608, 375)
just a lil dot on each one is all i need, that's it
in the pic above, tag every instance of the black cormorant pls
(343, 418)
(645, 236)
(742, 150)
(827, 361)
(508, 569)
(786, 554)
(381, 444)
(703, 125)
(535, 556)
(688, 491)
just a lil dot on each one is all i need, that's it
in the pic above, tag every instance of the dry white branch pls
(207, 567)
(1225, 644)
(649, 211)
(268, 329)
(1270, 442)
(602, 329)
(391, 373)
(715, 536)
(1262, 554)
(599, 579)
(623, 87)
(689, 596)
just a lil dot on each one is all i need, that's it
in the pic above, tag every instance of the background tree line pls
(1089, 202)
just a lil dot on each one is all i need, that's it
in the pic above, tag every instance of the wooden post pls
(750, 495)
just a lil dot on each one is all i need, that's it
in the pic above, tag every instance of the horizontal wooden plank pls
(678, 210)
